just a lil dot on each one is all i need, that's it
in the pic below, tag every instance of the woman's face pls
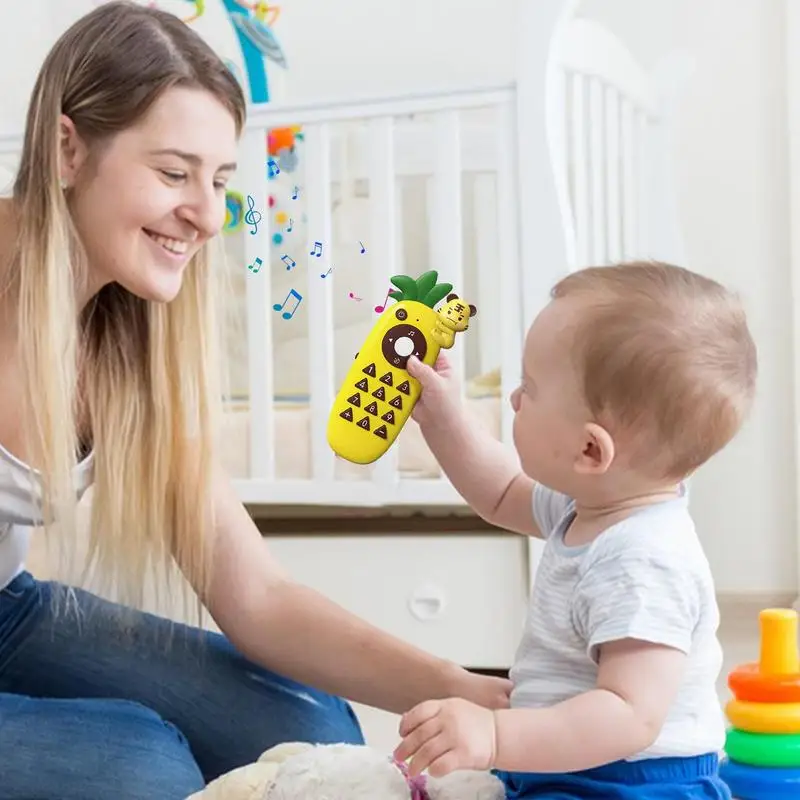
(154, 194)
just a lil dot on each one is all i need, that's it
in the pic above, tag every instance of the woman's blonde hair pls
(139, 377)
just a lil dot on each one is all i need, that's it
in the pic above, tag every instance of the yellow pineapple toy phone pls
(378, 395)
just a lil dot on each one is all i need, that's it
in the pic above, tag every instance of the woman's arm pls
(294, 630)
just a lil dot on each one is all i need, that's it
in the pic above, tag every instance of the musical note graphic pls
(291, 225)
(380, 309)
(273, 168)
(289, 314)
(255, 266)
(327, 273)
(288, 265)
(296, 190)
(353, 297)
(252, 217)
(363, 249)
(317, 251)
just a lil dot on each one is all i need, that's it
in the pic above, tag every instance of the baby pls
(633, 376)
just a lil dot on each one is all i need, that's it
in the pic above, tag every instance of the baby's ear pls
(472, 310)
(452, 296)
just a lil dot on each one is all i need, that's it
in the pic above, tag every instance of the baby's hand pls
(440, 398)
(446, 735)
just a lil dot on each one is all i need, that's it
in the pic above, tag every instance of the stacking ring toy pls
(764, 717)
(763, 749)
(758, 783)
(776, 677)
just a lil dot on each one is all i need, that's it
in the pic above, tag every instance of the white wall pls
(730, 158)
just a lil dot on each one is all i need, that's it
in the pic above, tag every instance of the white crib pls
(502, 189)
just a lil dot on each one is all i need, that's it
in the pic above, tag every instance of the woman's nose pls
(206, 212)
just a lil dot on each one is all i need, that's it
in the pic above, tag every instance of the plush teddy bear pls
(298, 771)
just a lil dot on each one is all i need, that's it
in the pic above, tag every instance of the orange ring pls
(749, 684)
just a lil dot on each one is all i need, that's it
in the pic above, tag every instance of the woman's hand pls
(484, 690)
(441, 397)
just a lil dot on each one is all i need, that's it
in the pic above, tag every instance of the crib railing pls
(386, 485)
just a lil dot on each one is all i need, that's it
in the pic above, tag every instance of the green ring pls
(763, 749)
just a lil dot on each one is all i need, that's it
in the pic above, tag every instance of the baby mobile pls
(253, 24)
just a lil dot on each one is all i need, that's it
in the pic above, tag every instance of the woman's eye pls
(173, 176)
(220, 185)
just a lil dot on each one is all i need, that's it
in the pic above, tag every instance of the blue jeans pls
(90, 709)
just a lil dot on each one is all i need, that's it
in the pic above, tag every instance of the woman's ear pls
(597, 450)
(72, 151)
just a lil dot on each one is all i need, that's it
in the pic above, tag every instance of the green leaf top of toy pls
(424, 289)
(407, 287)
(425, 283)
(437, 293)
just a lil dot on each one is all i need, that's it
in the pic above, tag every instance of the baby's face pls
(550, 415)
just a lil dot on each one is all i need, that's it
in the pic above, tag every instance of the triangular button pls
(372, 408)
(363, 385)
(397, 402)
(404, 387)
(364, 423)
(387, 379)
(369, 370)
(388, 417)
(347, 414)
(382, 432)
(380, 393)
(355, 400)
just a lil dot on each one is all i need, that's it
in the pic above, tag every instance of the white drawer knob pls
(426, 602)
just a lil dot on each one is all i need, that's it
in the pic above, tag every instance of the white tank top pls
(20, 494)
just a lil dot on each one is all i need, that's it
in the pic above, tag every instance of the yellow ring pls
(764, 717)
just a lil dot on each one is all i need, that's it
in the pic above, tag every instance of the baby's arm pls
(635, 608)
(636, 684)
(484, 471)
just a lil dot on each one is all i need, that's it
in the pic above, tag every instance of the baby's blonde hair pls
(665, 360)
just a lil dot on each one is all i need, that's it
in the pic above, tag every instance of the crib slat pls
(318, 304)
(557, 116)
(580, 170)
(488, 262)
(511, 324)
(382, 243)
(597, 164)
(260, 362)
(630, 200)
(642, 172)
(614, 227)
(444, 216)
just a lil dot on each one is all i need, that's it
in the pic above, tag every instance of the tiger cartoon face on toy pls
(452, 318)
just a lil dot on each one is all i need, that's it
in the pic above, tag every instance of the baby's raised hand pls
(440, 398)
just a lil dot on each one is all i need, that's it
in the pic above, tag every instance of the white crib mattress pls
(293, 442)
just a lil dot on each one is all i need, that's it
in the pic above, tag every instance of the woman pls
(107, 373)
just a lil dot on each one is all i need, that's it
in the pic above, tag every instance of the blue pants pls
(650, 779)
(91, 710)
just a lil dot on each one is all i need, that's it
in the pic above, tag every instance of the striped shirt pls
(644, 578)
